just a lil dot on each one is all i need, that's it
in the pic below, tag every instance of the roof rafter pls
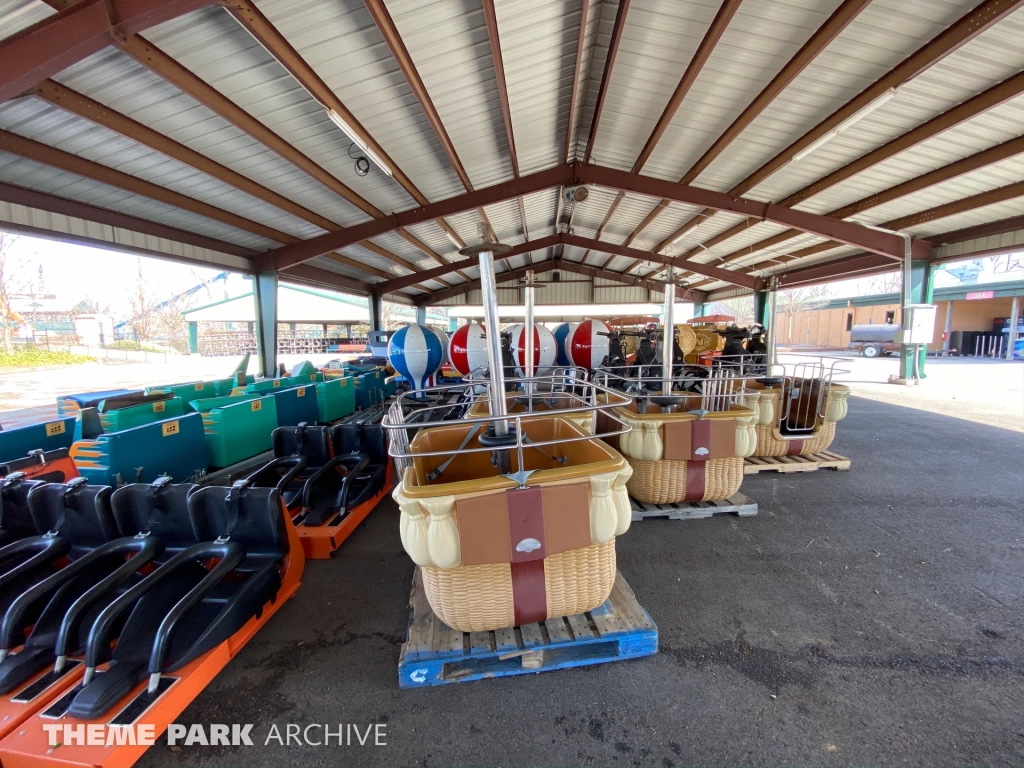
(810, 50)
(571, 122)
(75, 33)
(968, 164)
(963, 31)
(609, 65)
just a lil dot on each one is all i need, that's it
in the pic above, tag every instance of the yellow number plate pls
(170, 428)
(300, 392)
(55, 428)
(257, 406)
(159, 407)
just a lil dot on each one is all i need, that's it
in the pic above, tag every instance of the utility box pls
(918, 324)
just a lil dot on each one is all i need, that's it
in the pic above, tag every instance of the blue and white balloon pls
(560, 331)
(416, 353)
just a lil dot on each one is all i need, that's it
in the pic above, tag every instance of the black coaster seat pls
(101, 561)
(355, 436)
(183, 610)
(298, 453)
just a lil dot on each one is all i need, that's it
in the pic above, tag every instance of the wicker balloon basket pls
(686, 453)
(497, 553)
(814, 430)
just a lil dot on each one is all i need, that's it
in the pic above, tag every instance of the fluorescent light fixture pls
(363, 146)
(851, 120)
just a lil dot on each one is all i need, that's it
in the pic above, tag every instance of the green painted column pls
(921, 285)
(376, 312)
(265, 296)
(762, 308)
(698, 308)
(193, 337)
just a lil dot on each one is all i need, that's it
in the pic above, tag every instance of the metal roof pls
(464, 101)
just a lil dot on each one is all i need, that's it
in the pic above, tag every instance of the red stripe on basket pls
(529, 596)
(526, 524)
(795, 447)
(700, 437)
(695, 480)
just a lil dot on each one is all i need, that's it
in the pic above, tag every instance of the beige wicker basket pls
(685, 456)
(765, 401)
(495, 555)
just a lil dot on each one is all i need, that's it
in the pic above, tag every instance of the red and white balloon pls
(467, 349)
(543, 350)
(585, 345)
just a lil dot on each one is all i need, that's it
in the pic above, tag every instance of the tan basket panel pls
(768, 443)
(471, 598)
(664, 482)
(579, 580)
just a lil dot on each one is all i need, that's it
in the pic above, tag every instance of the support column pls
(376, 311)
(1011, 337)
(698, 307)
(761, 308)
(193, 337)
(421, 314)
(948, 326)
(921, 278)
(265, 294)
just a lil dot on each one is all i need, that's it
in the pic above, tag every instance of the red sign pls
(980, 295)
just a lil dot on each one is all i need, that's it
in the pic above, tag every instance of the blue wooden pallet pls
(435, 654)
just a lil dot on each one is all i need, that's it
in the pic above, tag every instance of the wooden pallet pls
(808, 463)
(737, 504)
(435, 654)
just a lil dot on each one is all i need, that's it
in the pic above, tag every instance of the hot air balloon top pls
(417, 353)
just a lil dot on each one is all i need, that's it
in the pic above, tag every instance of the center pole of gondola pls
(529, 349)
(668, 339)
(485, 251)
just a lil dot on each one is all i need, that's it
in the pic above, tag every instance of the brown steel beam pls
(837, 22)
(386, 25)
(30, 198)
(999, 94)
(967, 28)
(708, 270)
(583, 269)
(54, 44)
(963, 31)
(968, 164)
(55, 158)
(1001, 227)
(847, 266)
(991, 197)
(575, 81)
(973, 202)
(508, 190)
(609, 65)
(430, 274)
(77, 104)
(817, 43)
(502, 277)
(843, 231)
(308, 274)
(491, 20)
(260, 27)
(707, 45)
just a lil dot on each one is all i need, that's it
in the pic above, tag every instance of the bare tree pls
(740, 307)
(13, 281)
(794, 300)
(142, 320)
(887, 282)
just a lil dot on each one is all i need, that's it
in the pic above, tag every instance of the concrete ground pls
(869, 617)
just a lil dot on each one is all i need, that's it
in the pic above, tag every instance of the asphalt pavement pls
(870, 617)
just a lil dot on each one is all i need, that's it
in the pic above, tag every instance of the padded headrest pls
(127, 401)
(161, 508)
(91, 426)
(360, 438)
(311, 442)
(252, 517)
(15, 517)
(77, 511)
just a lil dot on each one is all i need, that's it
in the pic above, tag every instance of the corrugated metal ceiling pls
(449, 45)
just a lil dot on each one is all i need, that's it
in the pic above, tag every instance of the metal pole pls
(1011, 337)
(489, 291)
(668, 339)
(773, 290)
(528, 329)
